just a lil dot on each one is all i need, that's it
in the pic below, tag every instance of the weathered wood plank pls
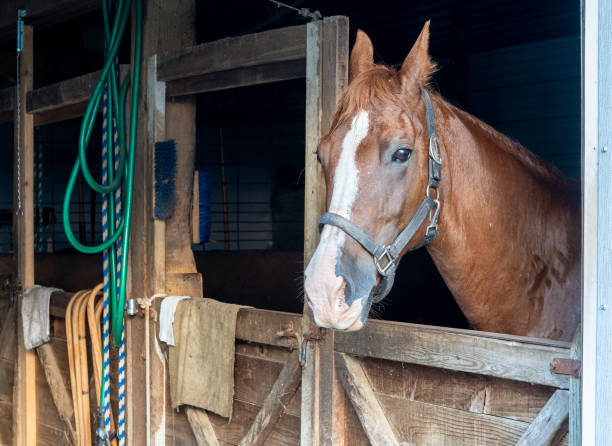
(69, 92)
(254, 379)
(57, 386)
(458, 390)
(326, 79)
(238, 77)
(285, 432)
(24, 395)
(277, 45)
(201, 426)
(364, 401)
(425, 424)
(509, 357)
(262, 326)
(278, 398)
(543, 430)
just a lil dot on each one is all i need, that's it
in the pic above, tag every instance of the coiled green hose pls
(125, 172)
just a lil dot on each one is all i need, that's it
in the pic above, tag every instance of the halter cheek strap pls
(386, 256)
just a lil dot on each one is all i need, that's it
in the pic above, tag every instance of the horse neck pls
(503, 210)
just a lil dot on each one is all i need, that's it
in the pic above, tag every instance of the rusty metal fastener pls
(564, 366)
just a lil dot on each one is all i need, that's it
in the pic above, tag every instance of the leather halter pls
(386, 256)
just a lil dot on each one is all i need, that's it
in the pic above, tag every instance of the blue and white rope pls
(106, 308)
(121, 359)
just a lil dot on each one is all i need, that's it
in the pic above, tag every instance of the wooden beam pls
(281, 393)
(277, 45)
(322, 420)
(201, 426)
(41, 13)
(64, 100)
(367, 407)
(503, 356)
(57, 385)
(24, 394)
(546, 426)
(238, 77)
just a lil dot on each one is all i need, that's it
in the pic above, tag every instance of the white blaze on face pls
(326, 290)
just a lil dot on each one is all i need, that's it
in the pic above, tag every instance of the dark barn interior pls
(515, 65)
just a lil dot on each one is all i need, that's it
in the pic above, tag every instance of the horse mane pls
(532, 162)
(375, 86)
(381, 85)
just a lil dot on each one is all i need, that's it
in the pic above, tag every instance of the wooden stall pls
(388, 384)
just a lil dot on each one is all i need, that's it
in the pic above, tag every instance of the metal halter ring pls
(390, 262)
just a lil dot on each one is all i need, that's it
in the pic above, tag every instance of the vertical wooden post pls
(326, 79)
(167, 26)
(24, 392)
(603, 355)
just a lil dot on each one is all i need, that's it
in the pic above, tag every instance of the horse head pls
(377, 163)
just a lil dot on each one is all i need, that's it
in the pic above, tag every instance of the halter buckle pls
(385, 255)
(434, 149)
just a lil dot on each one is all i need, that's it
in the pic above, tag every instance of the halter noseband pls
(385, 256)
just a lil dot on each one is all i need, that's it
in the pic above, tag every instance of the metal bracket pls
(564, 366)
(21, 13)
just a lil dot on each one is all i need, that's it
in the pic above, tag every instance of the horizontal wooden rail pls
(273, 51)
(63, 100)
(252, 324)
(56, 102)
(503, 356)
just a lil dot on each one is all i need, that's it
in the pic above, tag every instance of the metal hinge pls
(564, 366)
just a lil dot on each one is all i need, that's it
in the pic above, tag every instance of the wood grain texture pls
(326, 80)
(24, 395)
(201, 426)
(547, 425)
(423, 424)
(262, 326)
(365, 403)
(278, 398)
(237, 77)
(457, 390)
(285, 432)
(277, 45)
(254, 379)
(503, 356)
(69, 92)
(58, 389)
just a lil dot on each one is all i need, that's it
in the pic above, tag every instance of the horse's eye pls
(401, 155)
(319, 158)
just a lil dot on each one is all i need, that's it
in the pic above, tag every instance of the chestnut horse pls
(405, 168)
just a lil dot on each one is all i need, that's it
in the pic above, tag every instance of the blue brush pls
(165, 168)
(204, 204)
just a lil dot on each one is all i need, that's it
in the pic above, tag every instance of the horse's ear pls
(362, 55)
(417, 67)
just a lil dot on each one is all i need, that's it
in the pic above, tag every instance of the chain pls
(18, 136)
(20, 14)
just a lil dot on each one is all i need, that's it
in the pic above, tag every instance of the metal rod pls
(226, 232)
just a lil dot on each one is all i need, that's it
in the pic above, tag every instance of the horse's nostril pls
(348, 290)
